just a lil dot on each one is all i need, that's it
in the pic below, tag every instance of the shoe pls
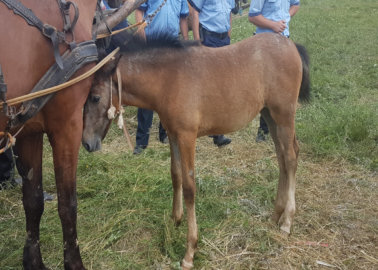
(221, 140)
(138, 149)
(260, 136)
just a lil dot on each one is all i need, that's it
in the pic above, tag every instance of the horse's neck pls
(141, 86)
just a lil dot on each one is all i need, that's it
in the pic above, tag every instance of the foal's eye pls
(95, 99)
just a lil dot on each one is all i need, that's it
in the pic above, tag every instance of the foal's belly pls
(227, 121)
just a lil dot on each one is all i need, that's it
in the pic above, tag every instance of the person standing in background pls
(170, 20)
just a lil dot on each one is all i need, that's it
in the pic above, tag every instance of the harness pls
(59, 73)
(65, 65)
(47, 30)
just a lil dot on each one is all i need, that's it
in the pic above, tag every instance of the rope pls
(121, 122)
(112, 110)
(9, 142)
(142, 24)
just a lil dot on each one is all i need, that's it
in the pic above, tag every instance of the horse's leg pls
(176, 174)
(287, 154)
(29, 165)
(65, 143)
(186, 151)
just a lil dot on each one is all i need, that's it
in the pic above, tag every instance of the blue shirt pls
(167, 20)
(214, 15)
(274, 10)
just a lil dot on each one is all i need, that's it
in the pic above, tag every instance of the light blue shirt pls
(167, 20)
(214, 15)
(274, 10)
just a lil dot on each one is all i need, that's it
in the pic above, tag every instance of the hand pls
(279, 26)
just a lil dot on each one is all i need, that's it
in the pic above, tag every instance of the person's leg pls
(162, 134)
(211, 41)
(262, 131)
(6, 167)
(143, 131)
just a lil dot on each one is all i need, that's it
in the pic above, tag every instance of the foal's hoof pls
(177, 222)
(186, 265)
(285, 229)
(283, 222)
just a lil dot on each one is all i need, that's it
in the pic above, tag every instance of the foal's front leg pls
(176, 175)
(185, 147)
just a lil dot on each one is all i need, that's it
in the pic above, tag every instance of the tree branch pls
(125, 10)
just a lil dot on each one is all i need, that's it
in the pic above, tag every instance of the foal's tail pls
(304, 92)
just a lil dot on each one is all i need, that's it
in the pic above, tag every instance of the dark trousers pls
(144, 124)
(6, 166)
(263, 125)
(211, 40)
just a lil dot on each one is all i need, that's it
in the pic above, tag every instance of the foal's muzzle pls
(92, 145)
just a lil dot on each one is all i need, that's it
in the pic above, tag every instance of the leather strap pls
(47, 30)
(82, 54)
(65, 10)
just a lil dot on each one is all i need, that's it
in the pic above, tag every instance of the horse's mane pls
(134, 43)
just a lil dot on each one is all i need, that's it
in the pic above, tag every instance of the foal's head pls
(97, 114)
(96, 120)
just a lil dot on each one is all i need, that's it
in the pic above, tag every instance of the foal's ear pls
(110, 67)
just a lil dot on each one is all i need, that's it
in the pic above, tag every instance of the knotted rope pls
(113, 112)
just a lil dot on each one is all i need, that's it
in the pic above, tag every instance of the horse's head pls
(102, 97)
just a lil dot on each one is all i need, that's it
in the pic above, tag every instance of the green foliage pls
(341, 121)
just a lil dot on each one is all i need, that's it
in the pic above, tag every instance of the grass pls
(125, 201)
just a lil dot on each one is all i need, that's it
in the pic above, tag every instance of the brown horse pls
(199, 91)
(25, 55)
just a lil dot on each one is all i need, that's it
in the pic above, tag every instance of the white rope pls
(112, 110)
(120, 122)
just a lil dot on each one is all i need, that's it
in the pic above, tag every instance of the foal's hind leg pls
(29, 164)
(287, 154)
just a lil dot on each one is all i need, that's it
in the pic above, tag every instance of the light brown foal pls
(199, 91)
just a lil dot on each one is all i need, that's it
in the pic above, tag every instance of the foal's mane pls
(134, 43)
